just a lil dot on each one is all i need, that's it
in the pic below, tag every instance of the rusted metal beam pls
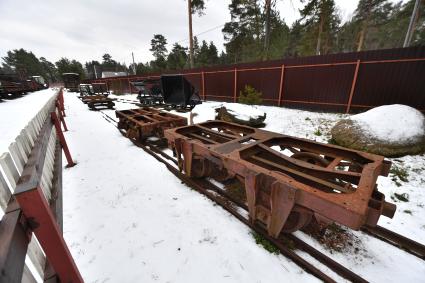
(281, 85)
(353, 86)
(203, 85)
(62, 140)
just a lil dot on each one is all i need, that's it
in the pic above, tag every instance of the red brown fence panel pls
(337, 82)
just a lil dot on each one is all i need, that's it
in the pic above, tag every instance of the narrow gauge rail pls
(235, 206)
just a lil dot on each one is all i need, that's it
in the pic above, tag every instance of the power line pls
(203, 32)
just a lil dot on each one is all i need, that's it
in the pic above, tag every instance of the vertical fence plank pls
(235, 89)
(27, 276)
(9, 169)
(5, 193)
(17, 157)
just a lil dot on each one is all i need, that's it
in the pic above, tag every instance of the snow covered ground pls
(372, 258)
(16, 113)
(127, 219)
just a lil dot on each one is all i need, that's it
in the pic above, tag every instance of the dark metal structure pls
(149, 91)
(11, 85)
(71, 81)
(288, 181)
(179, 92)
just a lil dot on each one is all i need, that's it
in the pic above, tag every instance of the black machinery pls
(179, 92)
(149, 91)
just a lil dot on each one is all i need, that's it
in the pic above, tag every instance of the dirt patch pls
(334, 237)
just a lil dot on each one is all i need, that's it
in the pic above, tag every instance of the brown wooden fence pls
(344, 82)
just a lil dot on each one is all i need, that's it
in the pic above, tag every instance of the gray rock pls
(350, 134)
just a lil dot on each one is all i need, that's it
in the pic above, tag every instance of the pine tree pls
(159, 51)
(321, 23)
(177, 58)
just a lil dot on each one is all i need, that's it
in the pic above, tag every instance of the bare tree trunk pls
(412, 24)
(365, 25)
(319, 37)
(267, 30)
(189, 8)
(361, 39)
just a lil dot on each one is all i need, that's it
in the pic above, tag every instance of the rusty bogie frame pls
(288, 181)
(95, 101)
(146, 122)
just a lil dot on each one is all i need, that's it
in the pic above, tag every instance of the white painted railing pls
(12, 164)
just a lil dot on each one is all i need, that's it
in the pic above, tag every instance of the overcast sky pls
(87, 29)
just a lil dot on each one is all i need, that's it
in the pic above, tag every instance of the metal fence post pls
(353, 86)
(282, 77)
(62, 139)
(203, 84)
(235, 90)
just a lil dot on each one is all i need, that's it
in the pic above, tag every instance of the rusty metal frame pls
(285, 176)
(95, 101)
(145, 122)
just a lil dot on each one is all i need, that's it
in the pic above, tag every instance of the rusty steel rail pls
(397, 240)
(288, 180)
(145, 122)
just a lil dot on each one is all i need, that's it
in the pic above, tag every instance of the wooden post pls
(203, 84)
(282, 78)
(129, 86)
(121, 86)
(62, 140)
(353, 86)
(235, 90)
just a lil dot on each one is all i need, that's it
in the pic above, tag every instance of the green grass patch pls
(404, 197)
(318, 132)
(266, 244)
(399, 173)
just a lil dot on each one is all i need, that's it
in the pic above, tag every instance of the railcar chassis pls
(288, 181)
(146, 122)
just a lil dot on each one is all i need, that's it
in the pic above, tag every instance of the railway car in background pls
(71, 81)
(40, 81)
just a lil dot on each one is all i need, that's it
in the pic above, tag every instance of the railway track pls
(239, 210)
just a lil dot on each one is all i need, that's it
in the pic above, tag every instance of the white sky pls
(87, 29)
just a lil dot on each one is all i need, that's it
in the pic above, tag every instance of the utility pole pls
(412, 24)
(267, 31)
(95, 73)
(134, 64)
(189, 9)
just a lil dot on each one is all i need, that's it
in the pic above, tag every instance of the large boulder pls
(248, 115)
(389, 130)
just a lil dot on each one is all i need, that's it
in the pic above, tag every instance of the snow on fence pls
(31, 200)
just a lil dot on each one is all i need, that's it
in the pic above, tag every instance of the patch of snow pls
(394, 123)
(244, 112)
(128, 219)
(16, 113)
